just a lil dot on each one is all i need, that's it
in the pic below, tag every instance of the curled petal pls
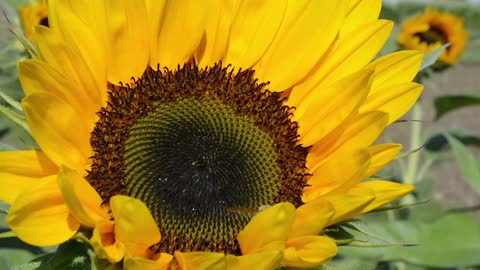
(134, 225)
(104, 243)
(268, 229)
(82, 199)
(311, 218)
(309, 251)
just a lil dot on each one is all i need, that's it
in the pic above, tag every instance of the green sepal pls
(7, 234)
(397, 207)
(430, 58)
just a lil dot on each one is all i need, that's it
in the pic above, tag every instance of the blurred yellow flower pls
(246, 130)
(432, 29)
(33, 14)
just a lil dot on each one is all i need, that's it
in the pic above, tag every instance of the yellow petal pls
(395, 100)
(214, 43)
(81, 24)
(385, 192)
(134, 225)
(325, 109)
(37, 77)
(300, 43)
(269, 226)
(350, 53)
(311, 218)
(395, 68)
(358, 133)
(104, 242)
(362, 11)
(128, 46)
(200, 261)
(258, 261)
(40, 217)
(155, 13)
(138, 263)
(382, 155)
(21, 169)
(347, 206)
(255, 25)
(64, 58)
(181, 16)
(82, 199)
(65, 139)
(328, 177)
(309, 251)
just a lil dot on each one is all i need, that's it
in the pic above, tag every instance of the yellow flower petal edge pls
(105, 244)
(39, 215)
(200, 261)
(134, 225)
(269, 228)
(311, 218)
(139, 263)
(81, 198)
(21, 169)
(384, 192)
(309, 251)
(132, 232)
(260, 261)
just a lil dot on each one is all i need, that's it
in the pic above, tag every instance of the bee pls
(248, 211)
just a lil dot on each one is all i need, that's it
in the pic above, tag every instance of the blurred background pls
(441, 231)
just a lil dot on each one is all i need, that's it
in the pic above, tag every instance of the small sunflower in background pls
(431, 30)
(33, 14)
(206, 134)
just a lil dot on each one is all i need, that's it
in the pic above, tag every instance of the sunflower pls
(206, 134)
(431, 30)
(32, 14)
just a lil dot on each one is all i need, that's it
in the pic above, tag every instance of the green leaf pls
(451, 241)
(353, 263)
(72, 255)
(445, 104)
(15, 117)
(10, 101)
(467, 162)
(431, 57)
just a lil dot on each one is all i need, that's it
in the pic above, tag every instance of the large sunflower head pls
(228, 134)
(432, 29)
(32, 14)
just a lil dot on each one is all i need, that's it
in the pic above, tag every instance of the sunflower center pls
(204, 149)
(432, 35)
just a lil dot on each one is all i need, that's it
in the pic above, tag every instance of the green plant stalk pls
(410, 176)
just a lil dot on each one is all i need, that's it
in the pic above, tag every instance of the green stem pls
(424, 169)
(415, 143)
